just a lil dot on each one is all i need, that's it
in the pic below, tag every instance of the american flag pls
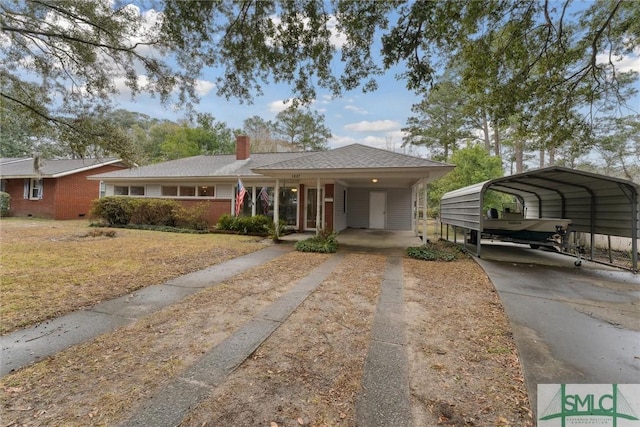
(266, 200)
(240, 197)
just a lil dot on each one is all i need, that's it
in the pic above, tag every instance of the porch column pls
(424, 212)
(318, 207)
(276, 208)
(414, 206)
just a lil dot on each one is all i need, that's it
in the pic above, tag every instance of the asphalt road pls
(571, 325)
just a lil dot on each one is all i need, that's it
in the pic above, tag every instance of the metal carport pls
(596, 204)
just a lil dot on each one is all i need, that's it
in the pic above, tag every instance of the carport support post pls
(424, 211)
(634, 230)
(318, 206)
(276, 209)
(415, 192)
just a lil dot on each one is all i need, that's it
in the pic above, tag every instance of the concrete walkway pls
(385, 399)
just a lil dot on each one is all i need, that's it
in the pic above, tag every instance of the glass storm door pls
(312, 208)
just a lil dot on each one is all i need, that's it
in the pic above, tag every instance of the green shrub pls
(115, 210)
(254, 225)
(324, 242)
(441, 250)
(154, 212)
(193, 218)
(274, 233)
(5, 202)
(158, 214)
(225, 222)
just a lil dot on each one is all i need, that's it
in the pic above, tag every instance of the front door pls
(311, 208)
(377, 209)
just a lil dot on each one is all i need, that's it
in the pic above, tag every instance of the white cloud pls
(629, 63)
(356, 110)
(203, 87)
(623, 64)
(338, 39)
(325, 99)
(278, 106)
(281, 105)
(374, 126)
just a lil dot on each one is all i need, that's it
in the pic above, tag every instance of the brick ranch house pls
(355, 186)
(58, 190)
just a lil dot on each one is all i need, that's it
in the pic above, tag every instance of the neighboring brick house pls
(57, 189)
(355, 186)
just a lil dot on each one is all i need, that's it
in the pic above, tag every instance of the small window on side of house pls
(35, 192)
(169, 190)
(136, 190)
(206, 191)
(187, 191)
(120, 190)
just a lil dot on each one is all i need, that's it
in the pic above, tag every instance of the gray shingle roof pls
(24, 168)
(224, 165)
(355, 156)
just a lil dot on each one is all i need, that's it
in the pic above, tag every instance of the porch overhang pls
(396, 177)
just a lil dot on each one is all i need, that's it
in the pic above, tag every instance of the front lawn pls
(51, 268)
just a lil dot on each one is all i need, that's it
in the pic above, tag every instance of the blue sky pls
(374, 118)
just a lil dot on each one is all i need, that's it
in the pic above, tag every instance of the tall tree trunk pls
(541, 157)
(485, 130)
(496, 138)
(552, 156)
(519, 153)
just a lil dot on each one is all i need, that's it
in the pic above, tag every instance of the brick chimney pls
(242, 147)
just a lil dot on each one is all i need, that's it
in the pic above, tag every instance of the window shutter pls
(26, 188)
(40, 188)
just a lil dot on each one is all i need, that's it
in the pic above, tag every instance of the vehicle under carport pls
(595, 204)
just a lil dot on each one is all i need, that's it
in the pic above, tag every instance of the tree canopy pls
(538, 59)
(302, 129)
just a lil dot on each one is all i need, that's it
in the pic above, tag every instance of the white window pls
(187, 191)
(206, 191)
(169, 190)
(200, 190)
(137, 190)
(33, 189)
(120, 190)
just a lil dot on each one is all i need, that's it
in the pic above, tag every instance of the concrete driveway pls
(571, 325)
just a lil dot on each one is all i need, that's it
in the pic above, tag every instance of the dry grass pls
(464, 368)
(308, 372)
(102, 381)
(464, 363)
(50, 268)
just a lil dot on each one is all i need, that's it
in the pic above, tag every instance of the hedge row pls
(256, 225)
(123, 211)
(5, 200)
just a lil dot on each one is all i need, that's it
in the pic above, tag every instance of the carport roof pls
(553, 179)
(610, 203)
(596, 204)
